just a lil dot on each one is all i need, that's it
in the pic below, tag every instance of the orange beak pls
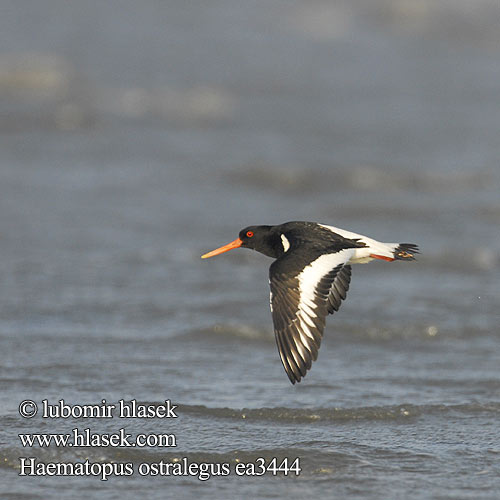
(234, 244)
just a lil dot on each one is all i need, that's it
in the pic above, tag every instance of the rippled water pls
(135, 137)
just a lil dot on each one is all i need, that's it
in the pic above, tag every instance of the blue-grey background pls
(135, 136)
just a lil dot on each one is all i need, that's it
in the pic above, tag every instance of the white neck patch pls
(285, 243)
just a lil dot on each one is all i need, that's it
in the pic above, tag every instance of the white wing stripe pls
(304, 329)
(301, 351)
(312, 274)
(303, 339)
(307, 319)
(308, 310)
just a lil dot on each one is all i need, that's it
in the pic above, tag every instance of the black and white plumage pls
(309, 280)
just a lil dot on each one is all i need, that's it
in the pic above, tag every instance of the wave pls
(329, 415)
(313, 454)
(228, 330)
(370, 330)
(361, 177)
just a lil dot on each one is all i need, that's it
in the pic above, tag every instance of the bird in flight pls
(309, 279)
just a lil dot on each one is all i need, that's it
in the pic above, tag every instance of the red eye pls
(249, 234)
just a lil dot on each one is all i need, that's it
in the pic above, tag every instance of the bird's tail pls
(395, 251)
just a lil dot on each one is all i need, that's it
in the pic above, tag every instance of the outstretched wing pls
(303, 293)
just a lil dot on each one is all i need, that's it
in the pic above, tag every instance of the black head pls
(260, 238)
(256, 238)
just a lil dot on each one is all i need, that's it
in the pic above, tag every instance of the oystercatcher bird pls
(309, 279)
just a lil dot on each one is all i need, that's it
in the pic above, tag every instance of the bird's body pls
(309, 279)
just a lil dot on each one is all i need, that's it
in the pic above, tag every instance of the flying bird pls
(309, 279)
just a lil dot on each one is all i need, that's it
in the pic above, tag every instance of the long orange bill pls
(234, 244)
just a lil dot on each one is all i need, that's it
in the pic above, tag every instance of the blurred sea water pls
(136, 136)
